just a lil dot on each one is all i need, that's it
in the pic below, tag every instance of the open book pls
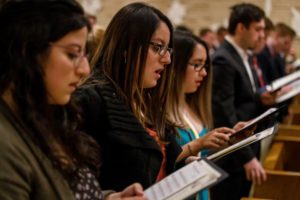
(245, 142)
(283, 81)
(294, 89)
(266, 119)
(250, 133)
(186, 181)
(296, 64)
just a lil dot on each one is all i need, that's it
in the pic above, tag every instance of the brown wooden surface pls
(280, 185)
(294, 116)
(282, 165)
(250, 198)
(274, 158)
(288, 158)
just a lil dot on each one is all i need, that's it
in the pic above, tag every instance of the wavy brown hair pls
(24, 38)
(122, 56)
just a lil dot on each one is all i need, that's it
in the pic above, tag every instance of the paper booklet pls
(247, 141)
(280, 82)
(265, 123)
(296, 64)
(293, 90)
(186, 181)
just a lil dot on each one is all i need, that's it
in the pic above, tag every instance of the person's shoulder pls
(12, 144)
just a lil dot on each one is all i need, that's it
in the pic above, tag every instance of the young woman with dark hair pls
(42, 60)
(189, 105)
(124, 101)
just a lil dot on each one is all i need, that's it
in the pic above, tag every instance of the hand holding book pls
(250, 127)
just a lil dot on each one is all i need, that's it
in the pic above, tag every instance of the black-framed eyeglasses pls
(199, 66)
(75, 57)
(160, 49)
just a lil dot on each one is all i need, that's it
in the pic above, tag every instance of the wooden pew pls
(288, 132)
(294, 112)
(249, 198)
(282, 165)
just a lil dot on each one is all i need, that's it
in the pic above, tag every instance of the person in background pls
(123, 102)
(210, 38)
(94, 40)
(190, 100)
(221, 33)
(272, 57)
(43, 58)
(235, 98)
(184, 28)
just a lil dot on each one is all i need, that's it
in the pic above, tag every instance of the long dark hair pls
(200, 101)
(122, 56)
(27, 29)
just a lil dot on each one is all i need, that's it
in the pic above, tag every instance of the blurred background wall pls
(197, 14)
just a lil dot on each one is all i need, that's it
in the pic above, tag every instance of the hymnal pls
(266, 119)
(186, 181)
(283, 81)
(294, 89)
(248, 134)
(245, 142)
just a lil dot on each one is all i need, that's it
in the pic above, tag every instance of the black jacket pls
(233, 100)
(129, 154)
(272, 66)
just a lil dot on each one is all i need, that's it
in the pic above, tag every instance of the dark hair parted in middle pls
(28, 30)
(122, 57)
(199, 101)
(244, 13)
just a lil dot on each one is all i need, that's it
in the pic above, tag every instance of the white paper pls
(184, 182)
(278, 83)
(245, 142)
(295, 89)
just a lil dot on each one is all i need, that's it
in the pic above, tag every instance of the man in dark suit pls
(236, 98)
(278, 45)
(271, 59)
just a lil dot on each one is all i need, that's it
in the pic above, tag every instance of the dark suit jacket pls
(272, 66)
(129, 153)
(233, 100)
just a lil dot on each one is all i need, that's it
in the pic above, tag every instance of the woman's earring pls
(125, 60)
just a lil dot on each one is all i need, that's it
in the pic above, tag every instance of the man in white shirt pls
(235, 98)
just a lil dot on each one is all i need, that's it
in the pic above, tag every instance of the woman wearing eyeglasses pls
(124, 100)
(42, 60)
(190, 100)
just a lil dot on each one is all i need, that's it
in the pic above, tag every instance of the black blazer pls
(129, 154)
(233, 100)
(272, 66)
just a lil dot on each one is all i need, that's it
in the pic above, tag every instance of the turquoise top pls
(185, 137)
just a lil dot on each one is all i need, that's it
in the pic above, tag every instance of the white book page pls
(278, 83)
(181, 183)
(293, 91)
(247, 141)
(255, 120)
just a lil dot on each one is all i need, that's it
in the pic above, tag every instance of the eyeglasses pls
(199, 67)
(76, 57)
(160, 49)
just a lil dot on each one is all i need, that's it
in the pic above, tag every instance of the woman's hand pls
(132, 192)
(191, 159)
(240, 125)
(216, 138)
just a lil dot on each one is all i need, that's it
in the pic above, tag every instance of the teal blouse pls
(185, 137)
